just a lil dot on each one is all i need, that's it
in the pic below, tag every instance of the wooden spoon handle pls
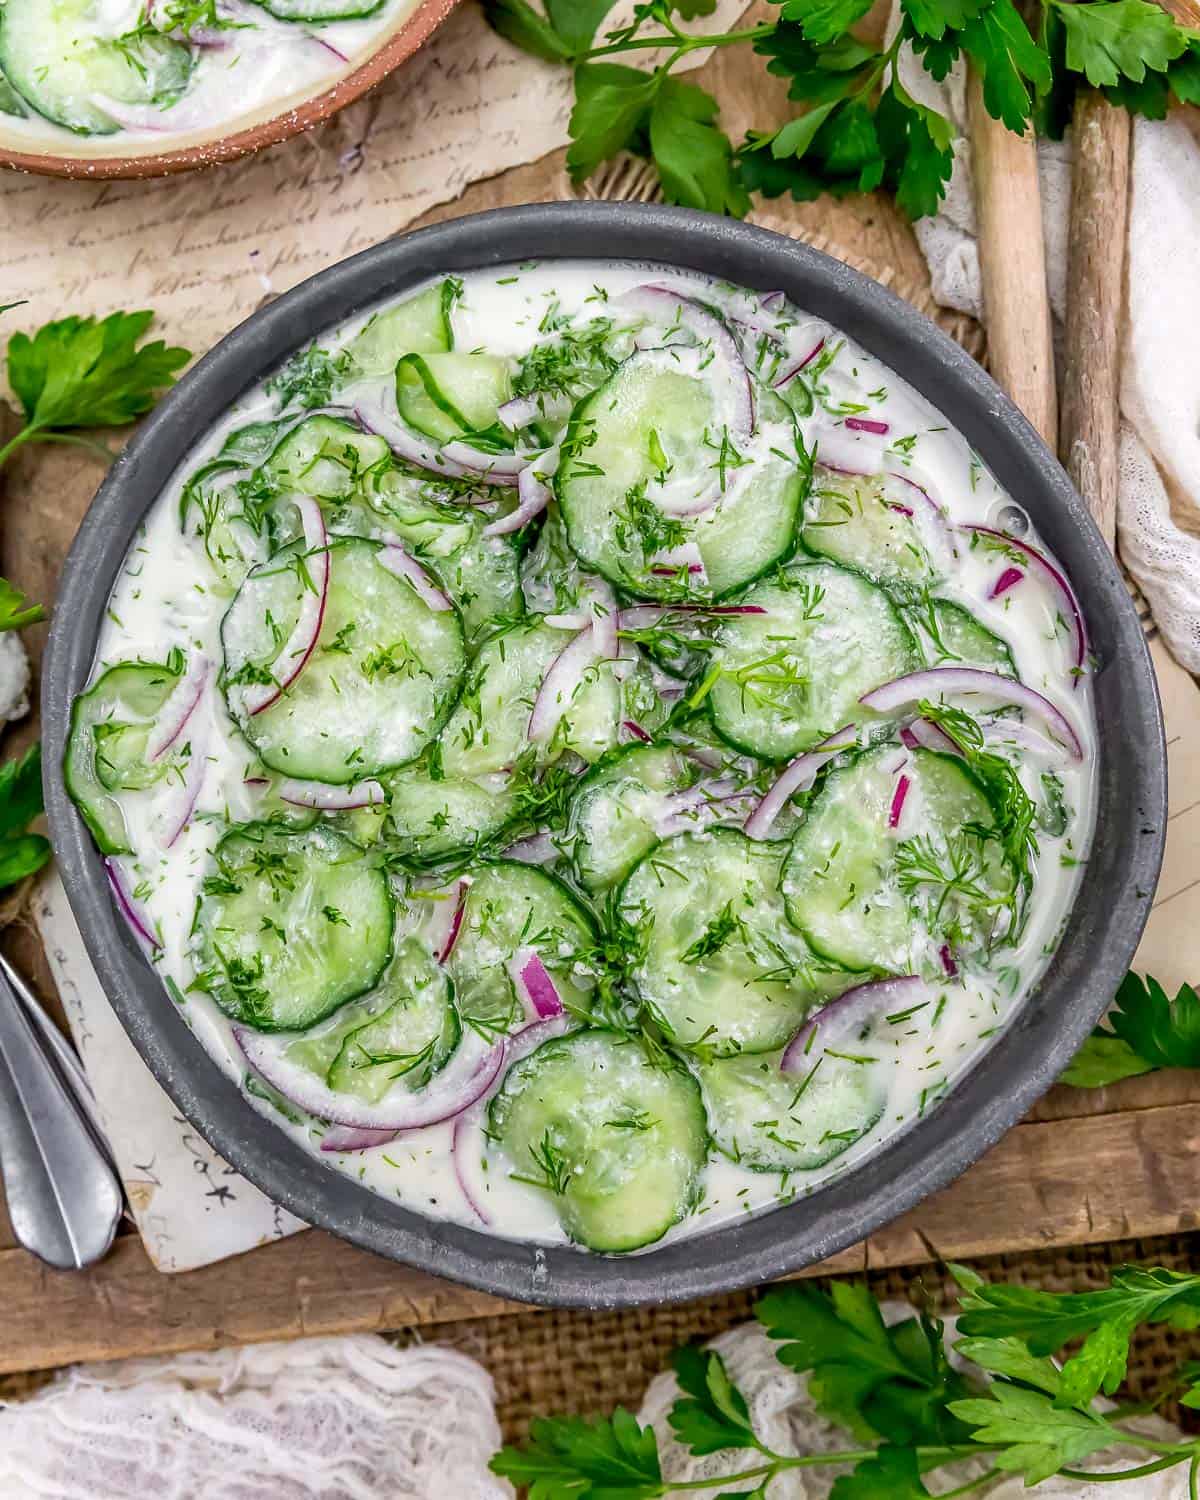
(1012, 256)
(1089, 442)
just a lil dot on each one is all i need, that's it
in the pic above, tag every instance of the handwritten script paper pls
(189, 1205)
(205, 249)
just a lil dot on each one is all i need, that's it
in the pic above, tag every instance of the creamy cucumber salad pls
(590, 750)
(147, 70)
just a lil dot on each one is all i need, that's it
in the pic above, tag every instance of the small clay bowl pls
(234, 138)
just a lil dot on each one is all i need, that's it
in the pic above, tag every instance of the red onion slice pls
(139, 924)
(456, 920)
(642, 615)
(185, 796)
(347, 1138)
(674, 559)
(402, 564)
(936, 681)
(533, 493)
(1057, 580)
(799, 774)
(845, 1015)
(899, 796)
(948, 963)
(179, 707)
(537, 849)
(802, 363)
(466, 1077)
(859, 456)
(866, 424)
(929, 736)
(1008, 579)
(332, 798)
(560, 684)
(534, 985)
(300, 645)
(372, 417)
(493, 468)
(634, 731)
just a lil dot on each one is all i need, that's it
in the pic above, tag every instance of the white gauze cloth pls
(336, 1418)
(1158, 508)
(783, 1417)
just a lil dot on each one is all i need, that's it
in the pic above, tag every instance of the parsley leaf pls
(825, 20)
(16, 610)
(878, 1381)
(999, 43)
(21, 853)
(1045, 1321)
(576, 21)
(1146, 1030)
(85, 372)
(694, 157)
(612, 107)
(520, 24)
(1115, 39)
(568, 1457)
(1039, 1437)
(893, 1474)
(713, 1414)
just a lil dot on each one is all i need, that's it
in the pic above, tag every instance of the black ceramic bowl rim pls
(1101, 933)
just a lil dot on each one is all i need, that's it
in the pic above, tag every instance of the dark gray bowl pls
(1101, 934)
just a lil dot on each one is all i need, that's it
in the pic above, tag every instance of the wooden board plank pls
(1030, 1192)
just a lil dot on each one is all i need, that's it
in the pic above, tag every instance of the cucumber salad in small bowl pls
(598, 760)
(132, 88)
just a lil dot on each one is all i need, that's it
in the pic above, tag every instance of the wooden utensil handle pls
(1090, 439)
(1012, 257)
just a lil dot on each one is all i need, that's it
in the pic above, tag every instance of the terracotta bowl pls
(267, 127)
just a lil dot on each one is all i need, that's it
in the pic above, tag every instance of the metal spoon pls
(64, 1199)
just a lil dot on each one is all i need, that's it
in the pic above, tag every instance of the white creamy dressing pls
(257, 68)
(163, 599)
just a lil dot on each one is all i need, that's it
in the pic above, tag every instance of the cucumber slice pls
(613, 815)
(876, 897)
(11, 102)
(430, 821)
(254, 443)
(511, 907)
(381, 680)
(448, 396)
(716, 963)
(327, 458)
(317, 11)
(54, 54)
(854, 520)
(792, 676)
(110, 727)
(480, 573)
(488, 731)
(650, 419)
(401, 1034)
(956, 635)
(217, 505)
(615, 1139)
(290, 925)
(772, 1122)
(422, 325)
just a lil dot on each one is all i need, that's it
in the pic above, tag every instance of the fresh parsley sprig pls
(1146, 1030)
(858, 127)
(908, 1411)
(78, 373)
(21, 852)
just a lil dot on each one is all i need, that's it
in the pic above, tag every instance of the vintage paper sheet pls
(190, 1206)
(205, 249)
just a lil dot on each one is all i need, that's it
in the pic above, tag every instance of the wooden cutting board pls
(1084, 1168)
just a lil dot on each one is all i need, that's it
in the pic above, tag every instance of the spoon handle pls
(63, 1198)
